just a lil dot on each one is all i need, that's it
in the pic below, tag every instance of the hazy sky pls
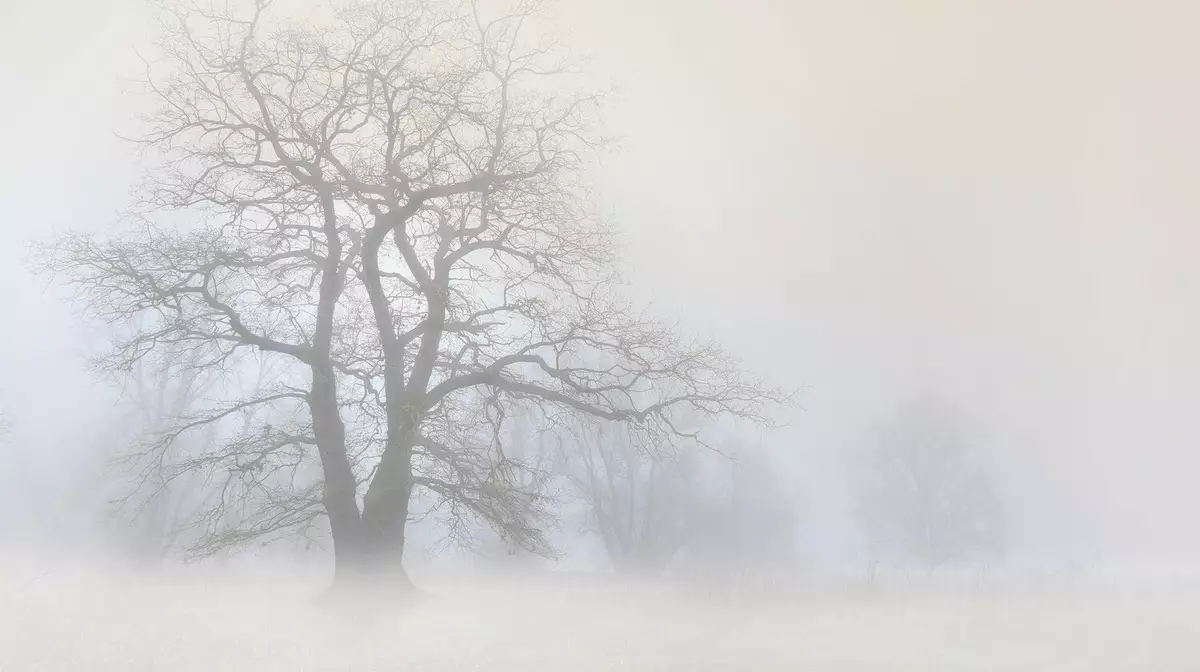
(994, 201)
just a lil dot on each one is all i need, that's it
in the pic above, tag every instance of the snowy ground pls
(71, 620)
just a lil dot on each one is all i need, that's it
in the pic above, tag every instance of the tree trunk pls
(339, 495)
(385, 514)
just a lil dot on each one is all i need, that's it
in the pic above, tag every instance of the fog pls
(868, 202)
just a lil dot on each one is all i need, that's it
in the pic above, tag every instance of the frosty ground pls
(72, 619)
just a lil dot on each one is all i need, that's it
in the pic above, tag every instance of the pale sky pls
(992, 200)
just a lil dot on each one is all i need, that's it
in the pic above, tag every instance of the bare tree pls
(924, 494)
(390, 203)
(643, 501)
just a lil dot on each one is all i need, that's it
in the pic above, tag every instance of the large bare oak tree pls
(390, 200)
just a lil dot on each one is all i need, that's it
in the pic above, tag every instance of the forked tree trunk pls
(368, 546)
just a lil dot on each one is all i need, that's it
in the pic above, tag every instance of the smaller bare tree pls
(924, 495)
(638, 496)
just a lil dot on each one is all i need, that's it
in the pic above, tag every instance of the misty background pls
(992, 203)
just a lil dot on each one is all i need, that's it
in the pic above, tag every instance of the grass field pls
(75, 620)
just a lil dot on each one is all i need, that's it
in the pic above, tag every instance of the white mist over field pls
(75, 619)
